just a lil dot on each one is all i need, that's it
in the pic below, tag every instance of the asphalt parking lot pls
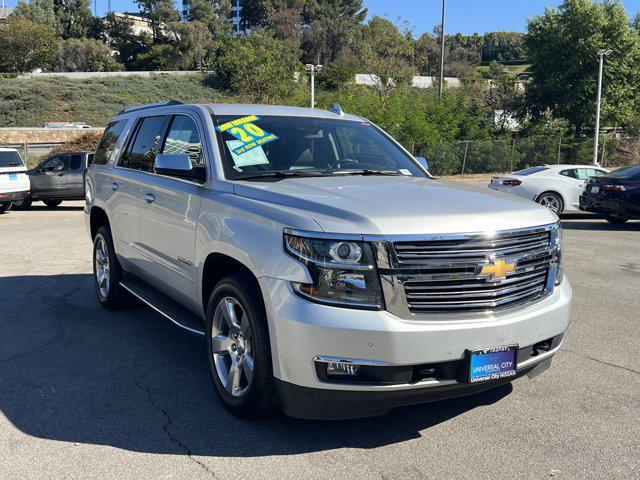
(88, 393)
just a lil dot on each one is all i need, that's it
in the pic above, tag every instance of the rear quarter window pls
(108, 142)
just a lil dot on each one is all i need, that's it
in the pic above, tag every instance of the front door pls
(169, 215)
(50, 179)
(75, 176)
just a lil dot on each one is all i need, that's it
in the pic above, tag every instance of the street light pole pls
(441, 83)
(313, 69)
(603, 52)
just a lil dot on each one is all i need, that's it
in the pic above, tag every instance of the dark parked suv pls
(616, 196)
(59, 177)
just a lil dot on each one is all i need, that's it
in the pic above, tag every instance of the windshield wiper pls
(366, 171)
(280, 174)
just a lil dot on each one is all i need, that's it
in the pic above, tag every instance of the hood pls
(397, 205)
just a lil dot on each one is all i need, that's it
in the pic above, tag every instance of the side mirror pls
(423, 162)
(178, 165)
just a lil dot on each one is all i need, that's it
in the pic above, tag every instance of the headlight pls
(557, 242)
(343, 272)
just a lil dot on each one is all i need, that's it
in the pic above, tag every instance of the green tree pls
(74, 17)
(562, 45)
(117, 32)
(38, 11)
(386, 53)
(85, 55)
(258, 67)
(193, 42)
(159, 13)
(26, 46)
(214, 14)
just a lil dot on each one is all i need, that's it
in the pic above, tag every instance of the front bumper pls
(301, 330)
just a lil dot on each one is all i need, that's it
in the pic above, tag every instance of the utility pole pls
(441, 83)
(603, 52)
(309, 67)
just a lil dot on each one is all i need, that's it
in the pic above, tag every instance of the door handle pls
(149, 197)
(114, 186)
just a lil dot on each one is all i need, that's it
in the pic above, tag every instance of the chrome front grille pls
(471, 248)
(445, 274)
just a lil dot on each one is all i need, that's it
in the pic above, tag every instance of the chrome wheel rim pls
(551, 202)
(231, 347)
(103, 277)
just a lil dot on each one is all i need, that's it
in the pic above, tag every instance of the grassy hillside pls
(32, 102)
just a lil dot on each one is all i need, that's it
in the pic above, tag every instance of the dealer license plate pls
(595, 189)
(492, 363)
(13, 176)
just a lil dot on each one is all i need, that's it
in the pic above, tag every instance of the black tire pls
(24, 204)
(113, 296)
(5, 207)
(259, 398)
(52, 203)
(615, 219)
(552, 201)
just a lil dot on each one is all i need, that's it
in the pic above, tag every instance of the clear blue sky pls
(466, 16)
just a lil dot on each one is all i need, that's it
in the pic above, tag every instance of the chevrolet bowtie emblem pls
(498, 269)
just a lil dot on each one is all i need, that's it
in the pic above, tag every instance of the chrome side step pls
(164, 305)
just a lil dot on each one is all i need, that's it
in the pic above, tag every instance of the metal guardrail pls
(32, 149)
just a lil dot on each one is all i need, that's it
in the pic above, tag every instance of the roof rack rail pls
(149, 105)
(337, 109)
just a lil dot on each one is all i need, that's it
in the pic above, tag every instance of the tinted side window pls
(76, 162)
(569, 173)
(108, 142)
(59, 163)
(183, 138)
(143, 149)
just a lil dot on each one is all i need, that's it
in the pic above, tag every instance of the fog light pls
(342, 369)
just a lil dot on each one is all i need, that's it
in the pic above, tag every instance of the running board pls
(163, 304)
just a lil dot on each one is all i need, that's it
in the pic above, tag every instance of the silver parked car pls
(330, 275)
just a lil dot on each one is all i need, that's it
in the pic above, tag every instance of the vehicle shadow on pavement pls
(72, 371)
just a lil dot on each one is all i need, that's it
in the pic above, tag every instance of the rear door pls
(50, 179)
(169, 214)
(126, 182)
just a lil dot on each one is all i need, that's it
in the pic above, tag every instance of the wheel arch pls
(97, 218)
(218, 265)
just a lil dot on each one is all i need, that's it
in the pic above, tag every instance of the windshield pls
(10, 158)
(530, 171)
(260, 146)
(626, 172)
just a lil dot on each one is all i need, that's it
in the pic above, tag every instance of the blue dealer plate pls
(492, 363)
(13, 176)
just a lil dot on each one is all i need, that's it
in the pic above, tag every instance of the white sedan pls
(557, 187)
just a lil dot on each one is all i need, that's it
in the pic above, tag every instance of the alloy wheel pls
(551, 202)
(231, 338)
(103, 276)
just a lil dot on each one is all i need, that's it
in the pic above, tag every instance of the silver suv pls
(330, 274)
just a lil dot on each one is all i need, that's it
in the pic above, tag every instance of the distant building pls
(5, 12)
(139, 23)
(236, 8)
(186, 8)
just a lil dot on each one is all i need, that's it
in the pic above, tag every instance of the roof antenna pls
(337, 109)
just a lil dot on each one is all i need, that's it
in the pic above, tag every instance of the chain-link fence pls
(509, 155)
